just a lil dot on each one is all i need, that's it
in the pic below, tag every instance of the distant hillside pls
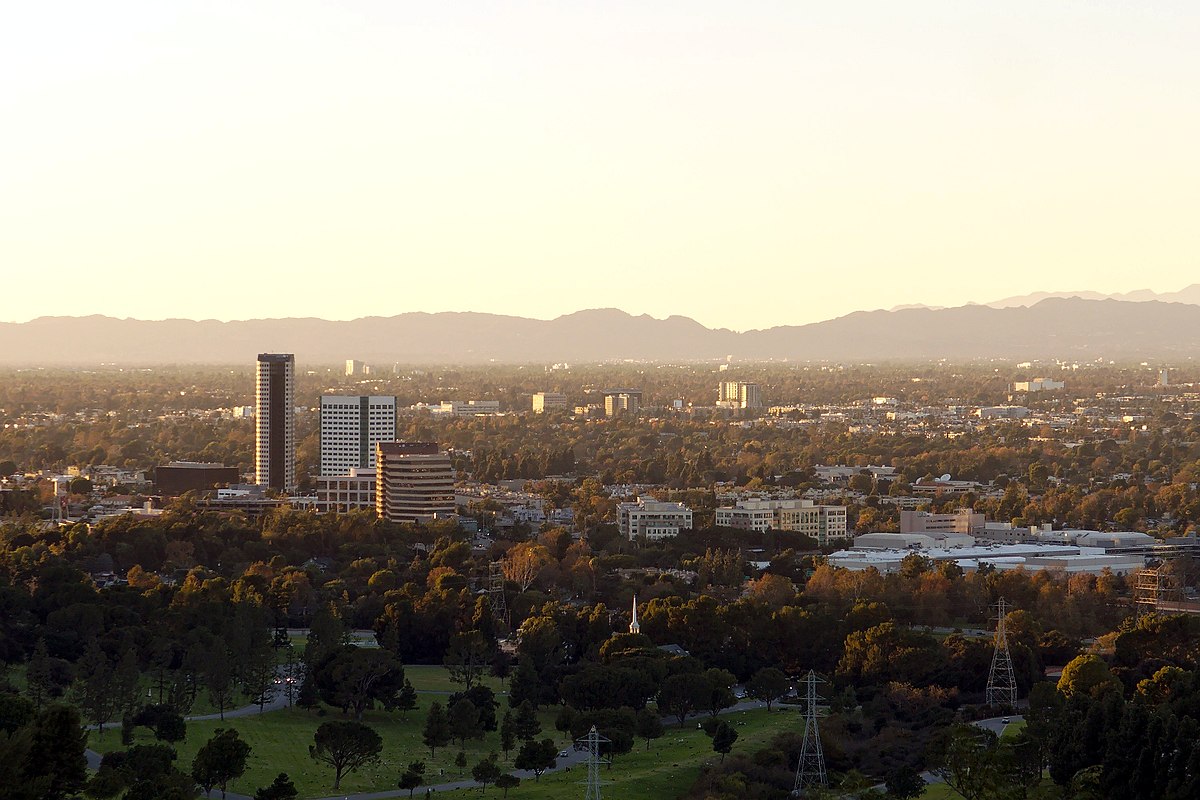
(1189, 294)
(1054, 327)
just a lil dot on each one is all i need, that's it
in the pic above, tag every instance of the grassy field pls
(1012, 729)
(429, 678)
(665, 771)
(280, 739)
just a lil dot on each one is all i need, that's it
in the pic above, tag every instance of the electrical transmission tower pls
(495, 592)
(1002, 684)
(810, 771)
(592, 742)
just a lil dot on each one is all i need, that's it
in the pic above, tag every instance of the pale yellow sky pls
(745, 164)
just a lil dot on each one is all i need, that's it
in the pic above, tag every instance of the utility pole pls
(810, 771)
(1002, 684)
(592, 742)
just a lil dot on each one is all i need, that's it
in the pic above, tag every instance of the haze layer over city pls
(647, 401)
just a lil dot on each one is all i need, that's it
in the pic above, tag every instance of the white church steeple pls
(634, 627)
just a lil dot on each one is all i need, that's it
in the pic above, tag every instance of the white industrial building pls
(1033, 557)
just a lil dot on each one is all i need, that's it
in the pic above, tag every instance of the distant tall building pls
(549, 401)
(351, 426)
(353, 367)
(616, 403)
(275, 422)
(738, 394)
(413, 481)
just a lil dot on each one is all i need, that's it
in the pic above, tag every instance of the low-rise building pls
(652, 520)
(549, 401)
(354, 491)
(822, 523)
(964, 521)
(178, 477)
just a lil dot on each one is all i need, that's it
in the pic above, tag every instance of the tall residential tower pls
(275, 422)
(350, 429)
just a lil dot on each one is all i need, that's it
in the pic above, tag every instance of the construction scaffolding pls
(1154, 588)
(810, 769)
(1002, 683)
(495, 593)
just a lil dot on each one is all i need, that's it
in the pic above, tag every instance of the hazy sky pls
(744, 163)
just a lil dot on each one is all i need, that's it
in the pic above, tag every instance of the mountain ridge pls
(1052, 327)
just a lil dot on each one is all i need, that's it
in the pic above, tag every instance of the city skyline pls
(205, 161)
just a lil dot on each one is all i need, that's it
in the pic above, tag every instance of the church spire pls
(634, 627)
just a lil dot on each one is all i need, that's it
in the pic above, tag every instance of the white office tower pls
(351, 426)
(275, 422)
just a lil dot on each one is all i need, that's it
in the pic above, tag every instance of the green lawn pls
(1012, 729)
(280, 739)
(430, 678)
(667, 770)
(938, 791)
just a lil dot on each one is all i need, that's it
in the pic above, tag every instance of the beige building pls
(738, 394)
(549, 401)
(964, 521)
(822, 523)
(354, 491)
(622, 403)
(652, 520)
(414, 481)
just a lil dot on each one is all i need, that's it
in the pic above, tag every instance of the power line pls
(592, 742)
(1002, 683)
(810, 770)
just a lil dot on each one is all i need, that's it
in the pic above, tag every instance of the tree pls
(506, 781)
(527, 723)
(681, 694)
(406, 699)
(905, 783)
(508, 734)
(486, 772)
(723, 738)
(345, 746)
(220, 760)
(143, 772)
(649, 725)
(260, 668)
(218, 677)
(437, 728)
(963, 758)
(39, 675)
(1087, 674)
(719, 690)
(413, 776)
(355, 678)
(524, 562)
(94, 685)
(767, 685)
(281, 788)
(464, 722)
(537, 757)
(56, 752)
(467, 658)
